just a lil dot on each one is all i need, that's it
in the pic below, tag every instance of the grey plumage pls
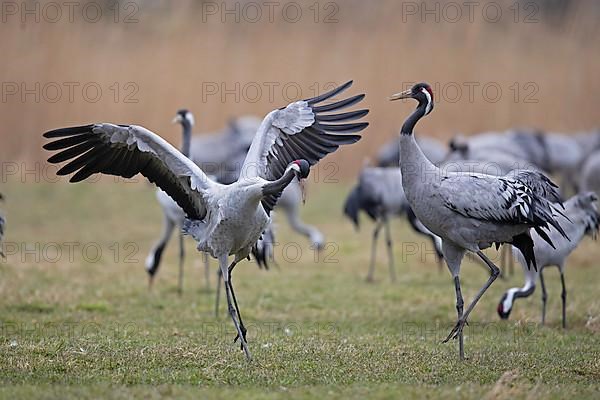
(471, 211)
(173, 216)
(581, 219)
(522, 145)
(226, 162)
(380, 195)
(590, 173)
(496, 153)
(222, 154)
(224, 219)
(554, 153)
(589, 142)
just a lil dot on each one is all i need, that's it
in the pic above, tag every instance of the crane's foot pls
(457, 330)
(244, 331)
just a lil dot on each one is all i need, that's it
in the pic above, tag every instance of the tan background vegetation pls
(172, 53)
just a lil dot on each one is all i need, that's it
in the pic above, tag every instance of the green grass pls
(84, 325)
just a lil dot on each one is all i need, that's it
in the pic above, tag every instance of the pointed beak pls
(176, 119)
(150, 282)
(407, 94)
(302, 190)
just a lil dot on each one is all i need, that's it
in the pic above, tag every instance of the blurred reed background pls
(176, 54)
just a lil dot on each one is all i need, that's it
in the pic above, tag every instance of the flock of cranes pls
(221, 189)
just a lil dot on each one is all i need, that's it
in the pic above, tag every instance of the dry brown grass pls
(170, 53)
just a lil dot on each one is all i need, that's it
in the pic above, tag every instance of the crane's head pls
(505, 306)
(459, 143)
(590, 217)
(184, 116)
(302, 168)
(421, 92)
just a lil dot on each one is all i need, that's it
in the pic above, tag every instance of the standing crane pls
(581, 219)
(225, 220)
(472, 211)
(173, 216)
(379, 193)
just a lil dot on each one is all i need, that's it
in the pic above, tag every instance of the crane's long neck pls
(519, 292)
(276, 187)
(414, 165)
(411, 121)
(187, 137)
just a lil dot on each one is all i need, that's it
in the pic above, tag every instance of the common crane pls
(174, 216)
(581, 219)
(490, 162)
(226, 161)
(380, 195)
(553, 153)
(224, 219)
(471, 211)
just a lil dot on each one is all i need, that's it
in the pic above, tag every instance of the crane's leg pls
(373, 251)
(544, 295)
(206, 262)
(388, 241)
(459, 310)
(181, 259)
(230, 306)
(503, 261)
(235, 303)
(511, 262)
(494, 272)
(453, 256)
(563, 296)
(219, 281)
(155, 255)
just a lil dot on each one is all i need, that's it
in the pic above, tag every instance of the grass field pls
(82, 325)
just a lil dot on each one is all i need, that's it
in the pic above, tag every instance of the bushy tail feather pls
(541, 185)
(524, 243)
(263, 250)
(353, 206)
(547, 200)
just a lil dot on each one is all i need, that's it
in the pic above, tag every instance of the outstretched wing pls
(305, 129)
(524, 198)
(126, 150)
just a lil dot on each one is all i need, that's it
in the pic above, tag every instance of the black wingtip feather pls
(329, 94)
(344, 128)
(340, 117)
(338, 105)
(73, 130)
